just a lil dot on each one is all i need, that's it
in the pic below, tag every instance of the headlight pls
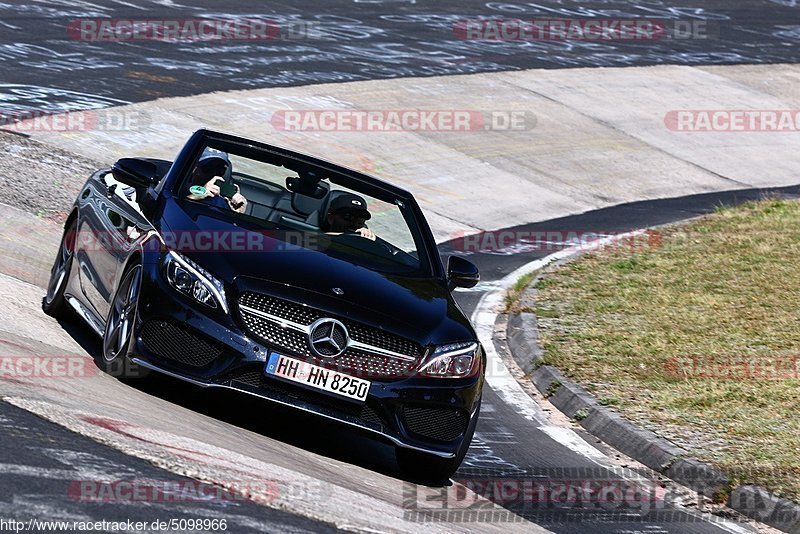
(457, 360)
(192, 280)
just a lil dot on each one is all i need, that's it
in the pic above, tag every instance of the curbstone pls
(645, 446)
(700, 476)
(521, 332)
(547, 380)
(759, 504)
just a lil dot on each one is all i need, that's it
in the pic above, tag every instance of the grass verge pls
(697, 338)
(513, 296)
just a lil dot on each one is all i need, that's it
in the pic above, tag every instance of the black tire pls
(425, 467)
(54, 303)
(118, 333)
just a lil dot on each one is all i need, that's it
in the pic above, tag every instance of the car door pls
(111, 224)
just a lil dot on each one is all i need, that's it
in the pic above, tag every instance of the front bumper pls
(185, 340)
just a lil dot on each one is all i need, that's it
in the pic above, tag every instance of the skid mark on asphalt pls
(482, 454)
(44, 467)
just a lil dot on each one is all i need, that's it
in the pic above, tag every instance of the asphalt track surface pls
(44, 69)
(42, 466)
(48, 68)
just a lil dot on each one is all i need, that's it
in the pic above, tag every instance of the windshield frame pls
(334, 174)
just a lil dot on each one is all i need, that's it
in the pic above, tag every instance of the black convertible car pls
(246, 266)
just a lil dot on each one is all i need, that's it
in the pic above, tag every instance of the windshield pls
(308, 206)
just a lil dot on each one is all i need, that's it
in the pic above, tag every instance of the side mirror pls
(461, 273)
(135, 172)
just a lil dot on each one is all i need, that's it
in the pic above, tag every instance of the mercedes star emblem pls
(327, 338)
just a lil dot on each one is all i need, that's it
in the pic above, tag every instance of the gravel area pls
(41, 179)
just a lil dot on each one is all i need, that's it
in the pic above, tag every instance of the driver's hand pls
(237, 201)
(212, 189)
(366, 232)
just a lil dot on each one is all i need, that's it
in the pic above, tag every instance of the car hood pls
(415, 307)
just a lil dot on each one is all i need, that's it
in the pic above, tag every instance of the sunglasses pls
(350, 216)
(213, 168)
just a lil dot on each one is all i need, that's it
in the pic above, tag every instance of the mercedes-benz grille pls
(369, 353)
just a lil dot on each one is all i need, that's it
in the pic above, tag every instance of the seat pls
(300, 210)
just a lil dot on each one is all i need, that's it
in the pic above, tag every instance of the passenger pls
(207, 178)
(348, 213)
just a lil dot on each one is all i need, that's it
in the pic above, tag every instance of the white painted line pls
(501, 380)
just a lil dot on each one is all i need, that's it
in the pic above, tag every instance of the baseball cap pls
(214, 159)
(350, 202)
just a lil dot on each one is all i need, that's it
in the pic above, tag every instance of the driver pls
(207, 177)
(348, 213)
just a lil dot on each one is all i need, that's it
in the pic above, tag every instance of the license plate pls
(317, 377)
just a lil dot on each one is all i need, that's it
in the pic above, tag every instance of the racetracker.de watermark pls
(187, 30)
(179, 491)
(480, 29)
(733, 120)
(201, 240)
(15, 367)
(402, 120)
(506, 242)
(108, 120)
(741, 367)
